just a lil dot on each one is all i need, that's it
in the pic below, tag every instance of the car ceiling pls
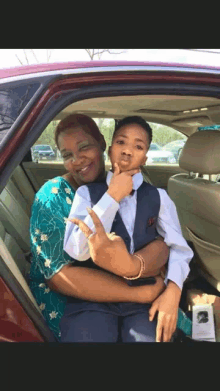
(183, 113)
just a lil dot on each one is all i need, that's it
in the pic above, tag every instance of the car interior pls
(192, 183)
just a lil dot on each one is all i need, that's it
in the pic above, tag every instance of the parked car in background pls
(41, 152)
(157, 155)
(175, 147)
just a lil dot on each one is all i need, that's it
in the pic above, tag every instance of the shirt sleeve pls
(168, 227)
(75, 242)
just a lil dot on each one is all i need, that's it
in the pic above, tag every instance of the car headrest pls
(201, 153)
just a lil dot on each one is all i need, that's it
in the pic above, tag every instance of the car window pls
(170, 143)
(13, 100)
(154, 147)
(164, 149)
(46, 141)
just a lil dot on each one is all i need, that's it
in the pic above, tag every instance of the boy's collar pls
(137, 179)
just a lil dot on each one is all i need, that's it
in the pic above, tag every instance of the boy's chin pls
(126, 167)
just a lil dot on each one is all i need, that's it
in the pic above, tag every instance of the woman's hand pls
(107, 250)
(167, 305)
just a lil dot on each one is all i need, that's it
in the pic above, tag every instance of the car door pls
(20, 318)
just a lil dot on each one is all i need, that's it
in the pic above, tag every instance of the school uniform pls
(138, 219)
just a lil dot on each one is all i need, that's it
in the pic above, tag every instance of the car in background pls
(157, 155)
(42, 152)
(175, 147)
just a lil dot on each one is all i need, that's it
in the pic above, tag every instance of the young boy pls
(143, 214)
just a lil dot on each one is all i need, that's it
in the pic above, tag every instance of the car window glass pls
(40, 152)
(13, 100)
(170, 143)
(45, 150)
(165, 147)
(154, 147)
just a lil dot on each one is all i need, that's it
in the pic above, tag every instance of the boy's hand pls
(121, 184)
(166, 305)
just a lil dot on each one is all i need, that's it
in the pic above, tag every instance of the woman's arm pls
(101, 286)
(155, 255)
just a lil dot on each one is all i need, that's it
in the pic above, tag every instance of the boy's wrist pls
(113, 195)
(173, 290)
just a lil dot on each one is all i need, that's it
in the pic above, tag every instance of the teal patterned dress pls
(50, 211)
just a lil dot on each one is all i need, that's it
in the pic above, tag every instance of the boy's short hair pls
(134, 120)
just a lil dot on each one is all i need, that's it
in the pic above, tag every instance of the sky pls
(14, 57)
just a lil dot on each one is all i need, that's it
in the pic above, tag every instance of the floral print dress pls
(50, 211)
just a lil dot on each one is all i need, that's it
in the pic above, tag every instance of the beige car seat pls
(198, 200)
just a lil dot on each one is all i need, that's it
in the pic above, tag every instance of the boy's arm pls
(181, 254)
(75, 242)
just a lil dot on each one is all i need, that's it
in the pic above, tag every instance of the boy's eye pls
(139, 147)
(119, 142)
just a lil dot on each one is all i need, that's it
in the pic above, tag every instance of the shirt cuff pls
(106, 205)
(178, 274)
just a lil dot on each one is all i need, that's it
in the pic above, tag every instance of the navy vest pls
(148, 206)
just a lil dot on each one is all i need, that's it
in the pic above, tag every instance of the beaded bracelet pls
(141, 269)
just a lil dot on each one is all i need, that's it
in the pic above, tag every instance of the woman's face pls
(82, 155)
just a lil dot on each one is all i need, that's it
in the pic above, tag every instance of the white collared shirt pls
(168, 226)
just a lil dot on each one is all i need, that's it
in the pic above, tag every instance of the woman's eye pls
(119, 142)
(83, 147)
(67, 156)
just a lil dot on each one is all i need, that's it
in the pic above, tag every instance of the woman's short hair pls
(134, 120)
(82, 121)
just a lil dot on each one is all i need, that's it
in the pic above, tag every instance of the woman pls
(54, 276)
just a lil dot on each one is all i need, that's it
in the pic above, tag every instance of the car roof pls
(42, 145)
(49, 67)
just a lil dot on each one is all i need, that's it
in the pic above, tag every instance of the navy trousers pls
(107, 322)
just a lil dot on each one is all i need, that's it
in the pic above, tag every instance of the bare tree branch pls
(19, 59)
(49, 54)
(26, 56)
(34, 55)
(92, 53)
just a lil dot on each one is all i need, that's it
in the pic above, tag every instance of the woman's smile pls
(86, 169)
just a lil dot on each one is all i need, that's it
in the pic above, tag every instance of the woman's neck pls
(69, 178)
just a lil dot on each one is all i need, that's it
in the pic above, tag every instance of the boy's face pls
(129, 147)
